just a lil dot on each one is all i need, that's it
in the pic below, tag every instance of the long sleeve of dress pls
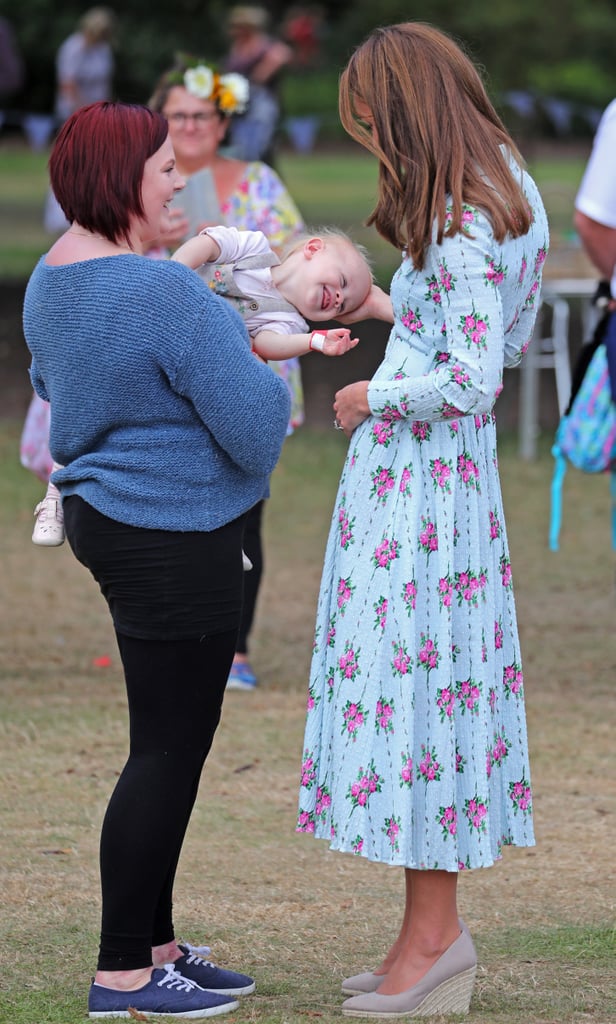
(479, 302)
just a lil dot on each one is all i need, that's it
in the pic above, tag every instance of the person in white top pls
(321, 277)
(595, 203)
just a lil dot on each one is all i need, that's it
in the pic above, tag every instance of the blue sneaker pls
(167, 994)
(207, 975)
(241, 677)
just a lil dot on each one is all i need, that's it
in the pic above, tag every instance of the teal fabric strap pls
(556, 514)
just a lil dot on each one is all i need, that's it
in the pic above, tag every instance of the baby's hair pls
(327, 234)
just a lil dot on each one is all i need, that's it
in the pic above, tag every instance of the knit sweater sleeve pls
(241, 401)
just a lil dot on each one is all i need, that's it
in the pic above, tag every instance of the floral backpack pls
(586, 435)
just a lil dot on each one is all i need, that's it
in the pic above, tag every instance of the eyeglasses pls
(179, 119)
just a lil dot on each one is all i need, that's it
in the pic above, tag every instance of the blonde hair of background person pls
(84, 63)
(415, 750)
(251, 197)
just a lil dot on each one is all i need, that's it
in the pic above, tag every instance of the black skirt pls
(160, 584)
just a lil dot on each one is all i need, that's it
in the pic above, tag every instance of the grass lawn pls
(330, 187)
(273, 903)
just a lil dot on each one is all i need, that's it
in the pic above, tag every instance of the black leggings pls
(253, 546)
(175, 600)
(175, 691)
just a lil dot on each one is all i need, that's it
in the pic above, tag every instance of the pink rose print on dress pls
(441, 471)
(428, 538)
(382, 483)
(386, 553)
(429, 656)
(521, 796)
(429, 769)
(449, 411)
(498, 634)
(532, 295)
(384, 713)
(330, 683)
(421, 430)
(344, 594)
(492, 699)
(357, 845)
(498, 753)
(505, 571)
(513, 680)
(313, 699)
(460, 762)
(445, 702)
(348, 663)
(366, 783)
(474, 327)
(382, 433)
(401, 663)
(354, 716)
(391, 829)
(468, 693)
(380, 610)
(309, 773)
(323, 803)
(523, 268)
(411, 319)
(540, 260)
(390, 414)
(445, 592)
(331, 632)
(447, 818)
(495, 272)
(406, 772)
(409, 595)
(468, 470)
(495, 525)
(467, 219)
(405, 482)
(469, 585)
(305, 822)
(460, 377)
(345, 527)
(476, 810)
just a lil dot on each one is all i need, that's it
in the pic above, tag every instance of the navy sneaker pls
(207, 975)
(167, 994)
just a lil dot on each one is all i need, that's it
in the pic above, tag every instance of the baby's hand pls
(334, 342)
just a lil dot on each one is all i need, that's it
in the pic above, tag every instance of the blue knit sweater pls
(160, 415)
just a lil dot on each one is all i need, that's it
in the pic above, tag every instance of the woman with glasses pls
(199, 105)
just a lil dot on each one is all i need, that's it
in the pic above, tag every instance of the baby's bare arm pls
(197, 251)
(271, 345)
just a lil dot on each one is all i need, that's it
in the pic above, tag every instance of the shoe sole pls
(247, 990)
(212, 1011)
(451, 996)
(47, 542)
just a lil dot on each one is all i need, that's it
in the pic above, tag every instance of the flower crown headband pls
(229, 92)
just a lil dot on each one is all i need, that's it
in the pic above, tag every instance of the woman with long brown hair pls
(415, 751)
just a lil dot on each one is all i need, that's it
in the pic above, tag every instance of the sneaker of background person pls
(241, 677)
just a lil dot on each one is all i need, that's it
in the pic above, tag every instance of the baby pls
(320, 278)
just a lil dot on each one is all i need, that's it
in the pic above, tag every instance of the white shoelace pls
(174, 980)
(198, 953)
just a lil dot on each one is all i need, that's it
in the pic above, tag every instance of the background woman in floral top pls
(198, 104)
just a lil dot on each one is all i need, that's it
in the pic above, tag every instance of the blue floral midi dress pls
(415, 749)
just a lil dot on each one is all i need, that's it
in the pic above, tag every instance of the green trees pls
(558, 49)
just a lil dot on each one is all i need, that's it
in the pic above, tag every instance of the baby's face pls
(335, 280)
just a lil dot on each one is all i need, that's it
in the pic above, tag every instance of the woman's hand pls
(376, 306)
(175, 232)
(351, 406)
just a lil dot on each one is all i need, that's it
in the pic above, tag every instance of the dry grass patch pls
(268, 900)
